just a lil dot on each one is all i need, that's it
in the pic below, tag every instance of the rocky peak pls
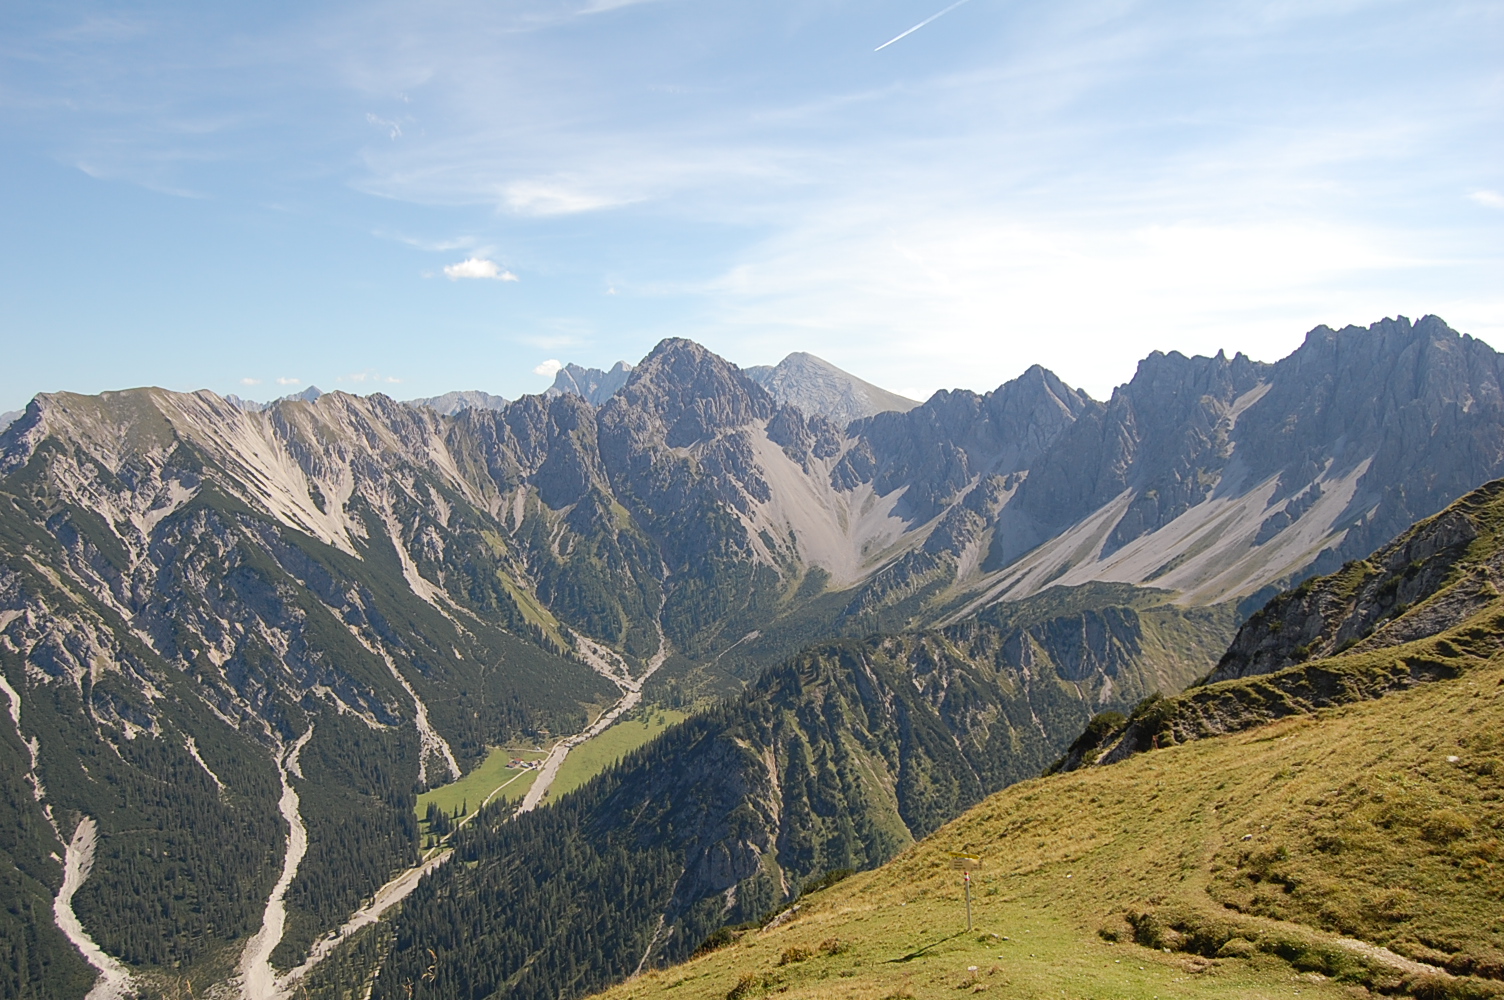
(692, 392)
(591, 384)
(1164, 434)
(308, 395)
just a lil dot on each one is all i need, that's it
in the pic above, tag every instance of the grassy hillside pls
(1350, 851)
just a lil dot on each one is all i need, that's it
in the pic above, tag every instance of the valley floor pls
(1284, 861)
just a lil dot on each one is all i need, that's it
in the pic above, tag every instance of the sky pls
(418, 197)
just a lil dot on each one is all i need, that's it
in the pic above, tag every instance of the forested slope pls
(836, 759)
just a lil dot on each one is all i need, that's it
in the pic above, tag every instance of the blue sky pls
(417, 197)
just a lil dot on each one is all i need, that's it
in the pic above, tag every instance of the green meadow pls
(491, 780)
(591, 758)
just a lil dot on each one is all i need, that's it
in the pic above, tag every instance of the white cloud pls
(545, 198)
(286, 380)
(477, 267)
(250, 381)
(1489, 199)
(548, 368)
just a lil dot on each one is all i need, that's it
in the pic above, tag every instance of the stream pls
(114, 983)
(631, 695)
(258, 980)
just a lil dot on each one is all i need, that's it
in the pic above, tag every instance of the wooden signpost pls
(966, 862)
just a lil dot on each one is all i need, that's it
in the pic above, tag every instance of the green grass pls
(491, 775)
(591, 758)
(1267, 847)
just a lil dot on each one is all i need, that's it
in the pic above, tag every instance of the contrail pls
(932, 17)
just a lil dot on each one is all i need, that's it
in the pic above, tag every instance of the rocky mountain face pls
(1222, 478)
(451, 403)
(590, 384)
(816, 386)
(8, 417)
(836, 759)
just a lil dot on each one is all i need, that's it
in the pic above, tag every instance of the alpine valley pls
(238, 641)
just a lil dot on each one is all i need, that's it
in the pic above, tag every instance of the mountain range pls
(237, 642)
(812, 384)
(451, 403)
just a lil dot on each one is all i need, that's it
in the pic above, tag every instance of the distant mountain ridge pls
(591, 384)
(451, 403)
(307, 395)
(818, 387)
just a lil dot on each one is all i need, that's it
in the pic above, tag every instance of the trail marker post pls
(966, 862)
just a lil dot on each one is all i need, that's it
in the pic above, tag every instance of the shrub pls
(745, 987)
(795, 953)
(719, 938)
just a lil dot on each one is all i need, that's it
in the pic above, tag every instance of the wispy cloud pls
(967, 298)
(601, 6)
(1488, 199)
(472, 243)
(476, 267)
(369, 375)
(288, 380)
(393, 128)
(250, 381)
(556, 198)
